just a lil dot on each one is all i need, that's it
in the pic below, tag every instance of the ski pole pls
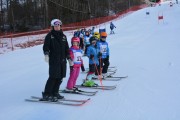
(98, 73)
(100, 62)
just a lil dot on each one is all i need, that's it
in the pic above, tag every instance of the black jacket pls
(56, 46)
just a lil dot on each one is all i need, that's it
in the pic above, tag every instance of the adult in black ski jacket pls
(56, 51)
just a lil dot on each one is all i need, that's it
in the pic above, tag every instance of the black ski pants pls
(52, 86)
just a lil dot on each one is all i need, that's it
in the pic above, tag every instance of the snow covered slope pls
(141, 48)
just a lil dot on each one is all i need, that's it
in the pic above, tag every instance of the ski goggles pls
(57, 23)
(93, 42)
(104, 37)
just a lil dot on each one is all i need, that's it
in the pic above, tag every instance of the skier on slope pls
(86, 41)
(93, 55)
(112, 26)
(92, 30)
(103, 47)
(81, 46)
(75, 63)
(56, 51)
(77, 33)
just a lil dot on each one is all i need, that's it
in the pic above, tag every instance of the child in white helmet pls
(55, 49)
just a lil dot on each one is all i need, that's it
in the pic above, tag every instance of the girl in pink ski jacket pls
(75, 63)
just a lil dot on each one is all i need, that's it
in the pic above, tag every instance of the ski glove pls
(46, 58)
(82, 67)
(71, 68)
(91, 56)
(99, 54)
(70, 62)
(107, 57)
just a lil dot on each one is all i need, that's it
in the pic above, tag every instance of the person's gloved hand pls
(91, 56)
(107, 57)
(99, 54)
(46, 58)
(70, 62)
(71, 68)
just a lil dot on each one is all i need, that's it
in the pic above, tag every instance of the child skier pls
(93, 55)
(86, 41)
(112, 26)
(81, 46)
(75, 63)
(103, 47)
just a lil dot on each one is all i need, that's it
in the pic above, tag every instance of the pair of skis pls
(70, 102)
(88, 93)
(73, 102)
(110, 70)
(112, 78)
(98, 87)
(79, 92)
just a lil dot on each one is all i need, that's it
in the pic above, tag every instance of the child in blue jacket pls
(93, 54)
(103, 47)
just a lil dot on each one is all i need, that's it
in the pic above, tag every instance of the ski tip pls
(125, 76)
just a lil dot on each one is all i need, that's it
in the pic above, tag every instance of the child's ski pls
(98, 87)
(111, 78)
(112, 67)
(120, 77)
(79, 92)
(110, 70)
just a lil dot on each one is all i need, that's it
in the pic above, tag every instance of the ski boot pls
(89, 83)
(75, 89)
(48, 97)
(58, 96)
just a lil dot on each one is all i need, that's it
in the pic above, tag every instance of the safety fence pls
(10, 41)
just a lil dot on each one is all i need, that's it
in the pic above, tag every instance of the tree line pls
(28, 15)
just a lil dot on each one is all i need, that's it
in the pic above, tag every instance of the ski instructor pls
(56, 51)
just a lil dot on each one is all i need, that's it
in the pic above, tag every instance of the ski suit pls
(92, 53)
(76, 57)
(103, 47)
(56, 46)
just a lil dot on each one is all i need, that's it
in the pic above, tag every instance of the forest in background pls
(29, 15)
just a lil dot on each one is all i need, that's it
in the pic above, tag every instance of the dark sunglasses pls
(93, 41)
(103, 37)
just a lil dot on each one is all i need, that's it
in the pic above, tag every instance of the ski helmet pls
(97, 35)
(56, 22)
(103, 34)
(75, 39)
(87, 33)
(93, 39)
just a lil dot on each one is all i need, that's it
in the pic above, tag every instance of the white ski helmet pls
(56, 22)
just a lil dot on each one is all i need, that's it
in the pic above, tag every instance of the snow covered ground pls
(144, 50)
